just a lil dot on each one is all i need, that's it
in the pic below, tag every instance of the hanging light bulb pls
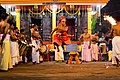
(36, 6)
(43, 13)
(100, 23)
(71, 6)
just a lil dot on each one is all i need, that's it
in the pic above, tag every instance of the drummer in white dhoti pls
(35, 39)
(14, 45)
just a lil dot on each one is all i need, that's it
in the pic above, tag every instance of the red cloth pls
(62, 38)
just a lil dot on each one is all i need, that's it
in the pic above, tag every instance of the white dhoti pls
(116, 49)
(14, 52)
(35, 53)
(59, 55)
(5, 62)
(94, 49)
(86, 54)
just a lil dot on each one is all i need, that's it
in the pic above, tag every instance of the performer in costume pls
(116, 43)
(60, 38)
(76, 56)
(86, 55)
(5, 62)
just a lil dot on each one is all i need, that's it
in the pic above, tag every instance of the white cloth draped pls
(59, 55)
(94, 49)
(14, 52)
(35, 53)
(86, 53)
(116, 49)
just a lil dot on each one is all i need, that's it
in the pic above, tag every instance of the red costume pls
(61, 35)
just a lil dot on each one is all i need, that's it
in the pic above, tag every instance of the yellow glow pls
(53, 21)
(89, 20)
(18, 18)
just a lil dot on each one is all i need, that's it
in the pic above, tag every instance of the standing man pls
(14, 47)
(116, 43)
(5, 62)
(86, 55)
(94, 46)
(35, 36)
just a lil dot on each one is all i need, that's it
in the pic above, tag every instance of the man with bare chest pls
(5, 57)
(86, 55)
(116, 44)
(94, 46)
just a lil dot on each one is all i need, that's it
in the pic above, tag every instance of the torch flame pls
(110, 19)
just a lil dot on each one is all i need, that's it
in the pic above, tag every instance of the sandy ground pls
(63, 71)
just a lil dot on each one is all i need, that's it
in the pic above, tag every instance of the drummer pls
(35, 38)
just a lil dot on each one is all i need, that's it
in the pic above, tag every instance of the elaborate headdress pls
(62, 18)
